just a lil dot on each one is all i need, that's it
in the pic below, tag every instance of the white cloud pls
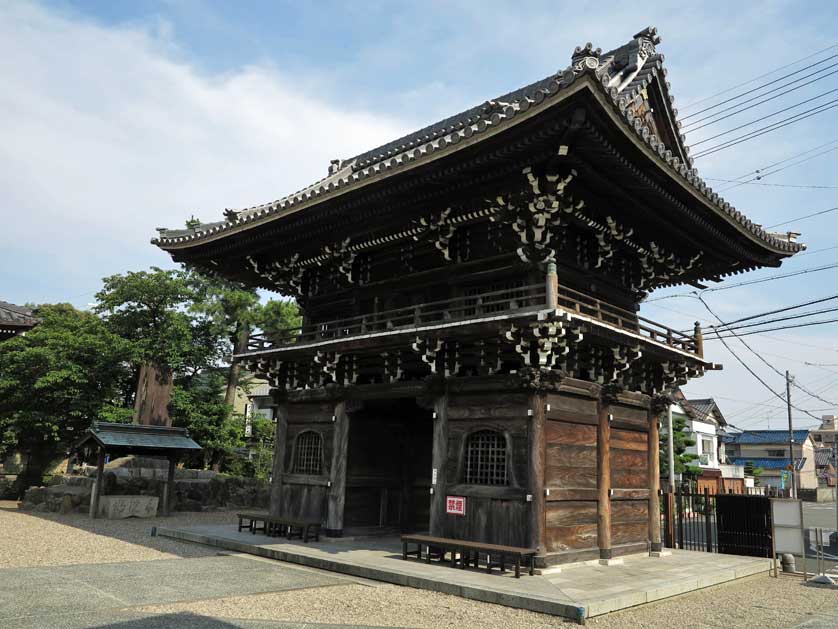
(106, 134)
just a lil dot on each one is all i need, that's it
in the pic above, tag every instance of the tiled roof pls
(770, 464)
(770, 437)
(137, 438)
(702, 410)
(16, 316)
(619, 74)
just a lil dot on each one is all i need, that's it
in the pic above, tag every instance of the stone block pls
(118, 507)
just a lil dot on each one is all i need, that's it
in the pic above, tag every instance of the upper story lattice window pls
(309, 453)
(485, 462)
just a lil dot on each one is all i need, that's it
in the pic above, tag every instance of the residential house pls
(769, 450)
(827, 433)
(706, 425)
(253, 400)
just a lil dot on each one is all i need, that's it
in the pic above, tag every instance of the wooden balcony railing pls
(473, 307)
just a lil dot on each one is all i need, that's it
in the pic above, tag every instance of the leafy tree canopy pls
(57, 379)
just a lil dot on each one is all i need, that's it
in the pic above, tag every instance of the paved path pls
(576, 592)
(100, 595)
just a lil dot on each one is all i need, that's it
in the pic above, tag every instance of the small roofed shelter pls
(122, 439)
(15, 320)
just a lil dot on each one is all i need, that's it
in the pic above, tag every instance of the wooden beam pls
(169, 487)
(340, 452)
(98, 485)
(439, 461)
(278, 469)
(538, 453)
(603, 456)
(654, 482)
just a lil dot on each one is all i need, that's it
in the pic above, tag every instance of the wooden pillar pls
(654, 480)
(538, 404)
(699, 339)
(169, 487)
(337, 490)
(98, 484)
(552, 286)
(278, 468)
(438, 464)
(603, 456)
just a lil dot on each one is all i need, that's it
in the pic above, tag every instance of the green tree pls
(681, 441)
(198, 405)
(231, 309)
(150, 309)
(55, 381)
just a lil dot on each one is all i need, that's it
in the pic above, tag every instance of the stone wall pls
(195, 490)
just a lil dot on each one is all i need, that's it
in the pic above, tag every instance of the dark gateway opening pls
(389, 468)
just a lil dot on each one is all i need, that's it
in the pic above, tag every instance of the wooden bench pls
(274, 526)
(497, 556)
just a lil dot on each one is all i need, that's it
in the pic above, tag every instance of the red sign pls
(455, 505)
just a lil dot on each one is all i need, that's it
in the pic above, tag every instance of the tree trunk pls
(242, 338)
(154, 392)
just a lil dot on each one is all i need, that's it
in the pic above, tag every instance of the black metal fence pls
(733, 524)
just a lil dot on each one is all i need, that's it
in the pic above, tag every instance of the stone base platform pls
(578, 592)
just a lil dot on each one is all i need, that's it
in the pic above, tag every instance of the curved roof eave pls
(585, 73)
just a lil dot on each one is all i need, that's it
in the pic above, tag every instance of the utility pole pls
(670, 449)
(789, 380)
(835, 473)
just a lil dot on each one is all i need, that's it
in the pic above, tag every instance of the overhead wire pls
(784, 327)
(760, 280)
(783, 161)
(761, 358)
(772, 185)
(692, 125)
(804, 115)
(802, 218)
(784, 309)
(761, 76)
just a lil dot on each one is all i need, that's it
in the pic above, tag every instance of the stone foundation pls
(195, 490)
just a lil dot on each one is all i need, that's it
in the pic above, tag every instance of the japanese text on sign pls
(455, 505)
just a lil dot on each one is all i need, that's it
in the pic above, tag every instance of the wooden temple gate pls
(471, 361)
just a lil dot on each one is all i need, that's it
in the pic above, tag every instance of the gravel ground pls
(28, 539)
(759, 601)
(49, 539)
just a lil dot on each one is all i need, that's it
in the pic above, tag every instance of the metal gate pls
(743, 524)
(733, 524)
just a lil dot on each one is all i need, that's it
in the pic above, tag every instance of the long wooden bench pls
(497, 556)
(274, 526)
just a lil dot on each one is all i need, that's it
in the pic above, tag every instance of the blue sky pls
(120, 117)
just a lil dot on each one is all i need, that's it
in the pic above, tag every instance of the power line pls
(768, 129)
(755, 353)
(785, 327)
(761, 76)
(771, 115)
(783, 161)
(778, 320)
(691, 126)
(773, 185)
(800, 218)
(760, 174)
(810, 252)
(761, 280)
(751, 371)
(803, 115)
(779, 310)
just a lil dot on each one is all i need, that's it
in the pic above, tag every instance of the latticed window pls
(486, 458)
(309, 453)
